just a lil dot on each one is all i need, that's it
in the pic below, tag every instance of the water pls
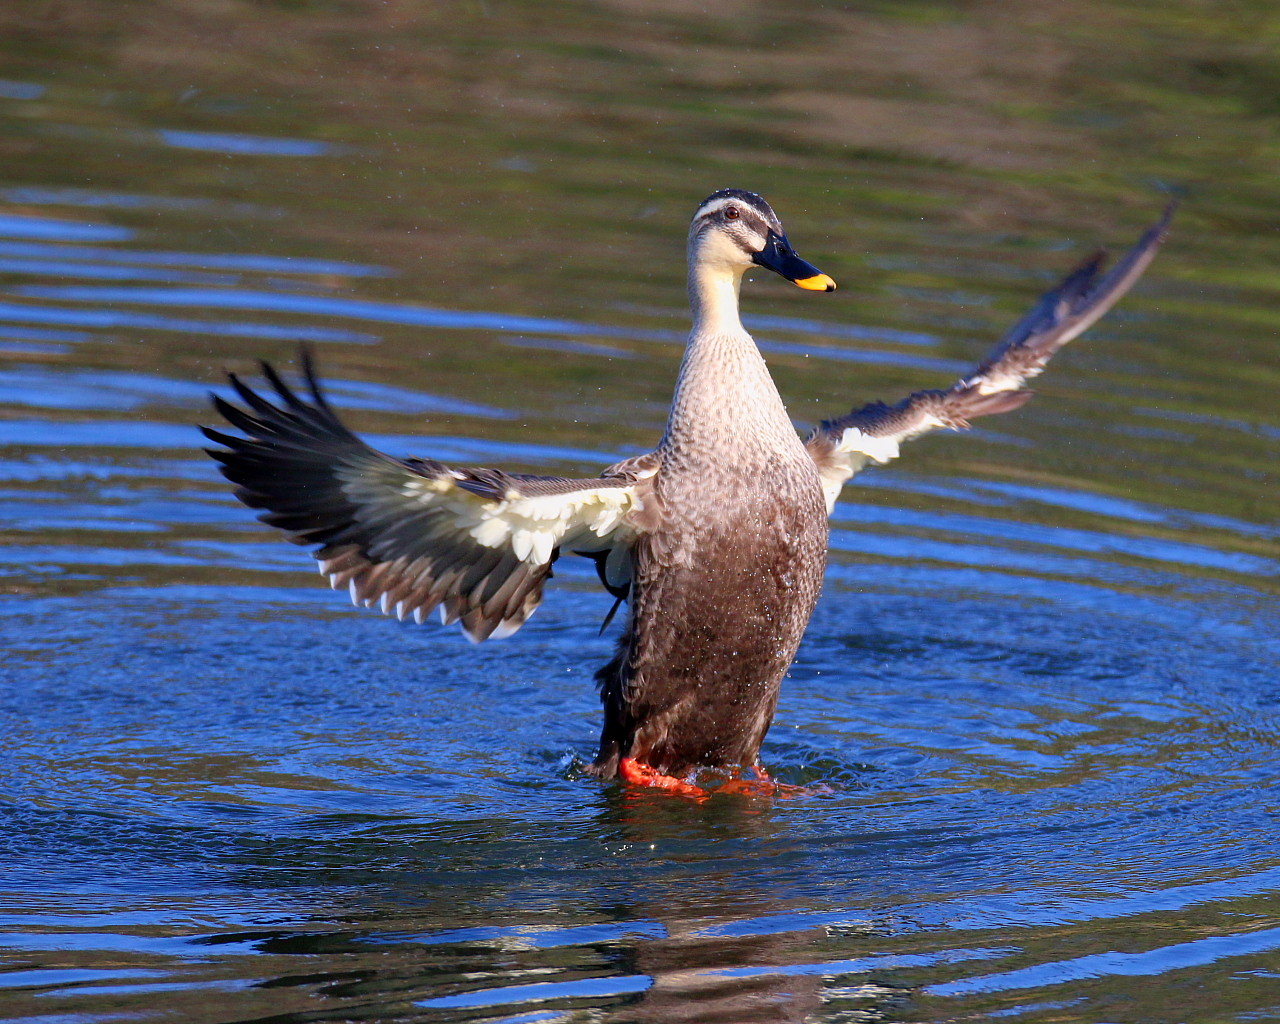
(1041, 686)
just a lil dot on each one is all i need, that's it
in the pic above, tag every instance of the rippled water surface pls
(1041, 688)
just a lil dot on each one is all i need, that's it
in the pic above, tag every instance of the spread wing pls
(843, 446)
(413, 535)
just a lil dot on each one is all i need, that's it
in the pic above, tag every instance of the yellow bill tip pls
(817, 283)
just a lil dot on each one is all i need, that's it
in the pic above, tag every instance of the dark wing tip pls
(1155, 235)
(278, 385)
(218, 437)
(311, 377)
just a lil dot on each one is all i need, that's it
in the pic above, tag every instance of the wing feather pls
(411, 536)
(875, 433)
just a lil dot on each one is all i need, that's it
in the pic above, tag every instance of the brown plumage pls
(717, 539)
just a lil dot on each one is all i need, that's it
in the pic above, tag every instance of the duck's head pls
(735, 230)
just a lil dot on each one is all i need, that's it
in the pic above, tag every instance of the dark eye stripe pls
(748, 218)
(753, 220)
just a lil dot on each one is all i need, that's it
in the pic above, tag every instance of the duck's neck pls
(725, 399)
(713, 294)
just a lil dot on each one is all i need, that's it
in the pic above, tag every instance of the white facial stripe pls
(749, 209)
(715, 207)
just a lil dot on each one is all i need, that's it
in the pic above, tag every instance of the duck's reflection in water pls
(738, 942)
(653, 909)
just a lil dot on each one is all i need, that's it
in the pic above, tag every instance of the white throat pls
(725, 399)
(713, 294)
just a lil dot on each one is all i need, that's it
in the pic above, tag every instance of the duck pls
(716, 540)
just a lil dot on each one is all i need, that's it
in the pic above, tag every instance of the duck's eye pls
(732, 213)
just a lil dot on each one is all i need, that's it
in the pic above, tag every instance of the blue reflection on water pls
(11, 90)
(70, 269)
(544, 990)
(1097, 965)
(425, 316)
(839, 330)
(865, 965)
(323, 305)
(35, 195)
(50, 977)
(853, 355)
(112, 318)
(208, 261)
(59, 388)
(244, 145)
(16, 226)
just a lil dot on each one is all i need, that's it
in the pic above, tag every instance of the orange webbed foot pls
(760, 786)
(763, 785)
(636, 773)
